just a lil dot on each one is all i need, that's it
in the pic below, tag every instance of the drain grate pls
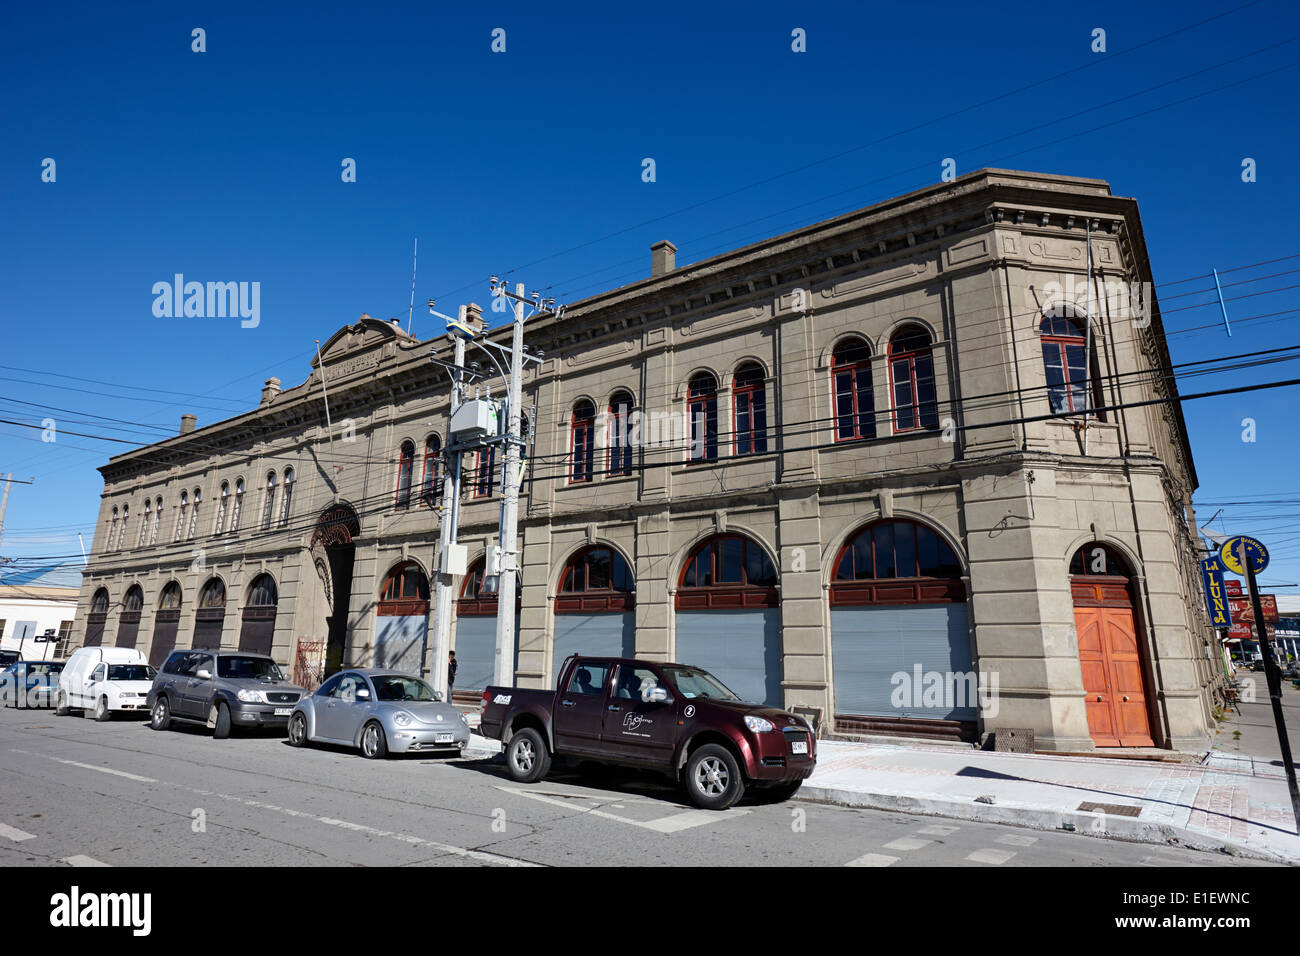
(1114, 809)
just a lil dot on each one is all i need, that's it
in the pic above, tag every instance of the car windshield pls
(693, 682)
(403, 688)
(43, 670)
(249, 668)
(131, 672)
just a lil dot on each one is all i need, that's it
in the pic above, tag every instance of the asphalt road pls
(77, 792)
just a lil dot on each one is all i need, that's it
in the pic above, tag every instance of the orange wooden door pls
(1115, 694)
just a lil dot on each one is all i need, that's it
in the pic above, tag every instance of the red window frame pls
(728, 594)
(405, 592)
(405, 473)
(752, 440)
(702, 394)
(915, 406)
(896, 588)
(429, 490)
(856, 389)
(582, 443)
(1057, 341)
(484, 472)
(588, 599)
(619, 453)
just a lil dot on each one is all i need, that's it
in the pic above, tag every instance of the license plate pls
(798, 746)
(283, 711)
(443, 738)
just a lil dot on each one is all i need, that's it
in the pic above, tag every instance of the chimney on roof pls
(474, 315)
(663, 258)
(269, 391)
(187, 424)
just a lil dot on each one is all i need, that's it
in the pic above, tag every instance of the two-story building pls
(919, 469)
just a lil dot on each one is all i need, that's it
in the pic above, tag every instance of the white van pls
(104, 680)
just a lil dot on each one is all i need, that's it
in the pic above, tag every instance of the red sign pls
(1242, 611)
(1234, 587)
(1246, 632)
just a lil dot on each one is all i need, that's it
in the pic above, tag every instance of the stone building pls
(848, 469)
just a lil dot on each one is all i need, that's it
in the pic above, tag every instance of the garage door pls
(398, 642)
(594, 635)
(899, 661)
(476, 646)
(742, 648)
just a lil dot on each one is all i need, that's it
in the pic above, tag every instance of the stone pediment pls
(361, 347)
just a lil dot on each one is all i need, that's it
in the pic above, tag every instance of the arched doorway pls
(166, 620)
(210, 616)
(476, 633)
(333, 554)
(900, 637)
(95, 619)
(257, 630)
(594, 607)
(1110, 653)
(403, 618)
(128, 621)
(728, 616)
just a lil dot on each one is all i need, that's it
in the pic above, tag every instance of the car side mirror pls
(363, 694)
(657, 695)
(203, 674)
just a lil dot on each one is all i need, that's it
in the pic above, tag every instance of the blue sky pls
(225, 165)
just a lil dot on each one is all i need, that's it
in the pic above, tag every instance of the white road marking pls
(873, 859)
(80, 860)
(937, 830)
(12, 833)
(1012, 840)
(117, 773)
(995, 857)
(672, 823)
(907, 844)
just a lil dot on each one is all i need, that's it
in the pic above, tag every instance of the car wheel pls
(713, 780)
(527, 758)
(298, 730)
(781, 792)
(102, 713)
(220, 721)
(160, 718)
(374, 745)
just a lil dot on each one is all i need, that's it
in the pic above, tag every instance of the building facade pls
(907, 470)
(36, 620)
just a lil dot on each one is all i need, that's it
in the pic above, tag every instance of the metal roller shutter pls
(594, 635)
(742, 648)
(476, 648)
(398, 641)
(872, 644)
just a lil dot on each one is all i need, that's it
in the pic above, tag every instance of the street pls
(77, 792)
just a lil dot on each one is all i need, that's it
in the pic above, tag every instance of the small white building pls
(36, 620)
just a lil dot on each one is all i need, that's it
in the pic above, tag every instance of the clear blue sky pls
(225, 165)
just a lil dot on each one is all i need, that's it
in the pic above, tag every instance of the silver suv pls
(222, 689)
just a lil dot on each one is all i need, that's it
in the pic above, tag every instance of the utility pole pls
(508, 579)
(4, 503)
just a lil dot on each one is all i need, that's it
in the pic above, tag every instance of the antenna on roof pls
(410, 309)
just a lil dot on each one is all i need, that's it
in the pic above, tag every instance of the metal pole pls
(1087, 338)
(507, 586)
(1273, 677)
(443, 580)
(4, 503)
(1222, 308)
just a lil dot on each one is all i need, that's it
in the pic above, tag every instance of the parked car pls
(669, 717)
(222, 689)
(30, 683)
(104, 680)
(379, 712)
(8, 658)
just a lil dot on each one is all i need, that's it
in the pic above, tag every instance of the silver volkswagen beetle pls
(379, 712)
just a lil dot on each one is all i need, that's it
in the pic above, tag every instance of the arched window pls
(194, 515)
(99, 603)
(270, 500)
(210, 615)
(262, 592)
(181, 516)
(474, 601)
(145, 523)
(596, 579)
(405, 468)
(1098, 560)
(911, 376)
(896, 562)
(134, 599)
(96, 617)
(749, 401)
(213, 594)
(110, 542)
(406, 591)
(288, 496)
(157, 520)
(238, 504)
(170, 598)
(223, 504)
(702, 412)
(123, 541)
(431, 488)
(619, 440)
(855, 402)
(728, 570)
(1065, 362)
(583, 441)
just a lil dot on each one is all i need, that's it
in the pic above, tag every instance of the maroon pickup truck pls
(669, 717)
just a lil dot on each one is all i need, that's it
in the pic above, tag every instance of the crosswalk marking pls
(1013, 840)
(907, 844)
(995, 857)
(13, 833)
(873, 859)
(937, 830)
(80, 860)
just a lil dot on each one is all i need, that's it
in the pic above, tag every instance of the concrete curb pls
(1040, 818)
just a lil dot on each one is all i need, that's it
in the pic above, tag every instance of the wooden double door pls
(1111, 661)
